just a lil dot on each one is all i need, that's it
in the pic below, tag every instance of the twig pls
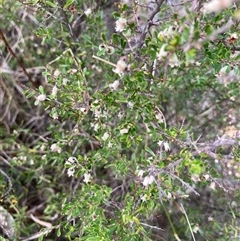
(14, 55)
(105, 61)
(39, 234)
(9, 184)
(42, 223)
(152, 227)
(149, 24)
(184, 183)
(184, 212)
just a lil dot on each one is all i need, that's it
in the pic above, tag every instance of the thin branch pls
(183, 183)
(14, 55)
(184, 212)
(152, 227)
(9, 184)
(105, 61)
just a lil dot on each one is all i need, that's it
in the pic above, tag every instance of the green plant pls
(116, 133)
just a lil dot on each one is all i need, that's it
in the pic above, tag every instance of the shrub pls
(120, 120)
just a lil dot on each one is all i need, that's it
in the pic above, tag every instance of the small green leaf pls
(175, 41)
(116, 15)
(40, 238)
(136, 220)
(68, 3)
(123, 43)
(103, 37)
(190, 56)
(115, 38)
(36, 102)
(41, 89)
(101, 52)
(29, 95)
(209, 29)
(51, 4)
(149, 151)
(59, 232)
(185, 35)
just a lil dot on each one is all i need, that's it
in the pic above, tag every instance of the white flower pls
(56, 148)
(56, 73)
(23, 158)
(114, 85)
(213, 185)
(124, 131)
(121, 24)
(144, 198)
(55, 116)
(97, 112)
(159, 117)
(41, 97)
(88, 12)
(130, 104)
(160, 143)
(96, 127)
(54, 90)
(195, 229)
(234, 36)
(84, 110)
(166, 146)
(210, 219)
(120, 115)
(174, 61)
(217, 5)
(225, 76)
(71, 171)
(206, 177)
(169, 195)
(121, 67)
(148, 180)
(71, 160)
(140, 173)
(162, 53)
(64, 81)
(42, 147)
(87, 177)
(105, 136)
(195, 177)
(73, 71)
(223, 70)
(110, 145)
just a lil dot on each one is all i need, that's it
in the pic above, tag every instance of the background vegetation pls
(119, 120)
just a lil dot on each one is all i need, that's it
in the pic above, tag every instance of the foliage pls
(120, 120)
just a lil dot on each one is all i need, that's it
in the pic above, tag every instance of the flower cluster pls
(121, 24)
(167, 33)
(217, 5)
(147, 180)
(164, 144)
(71, 164)
(114, 85)
(121, 66)
(56, 148)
